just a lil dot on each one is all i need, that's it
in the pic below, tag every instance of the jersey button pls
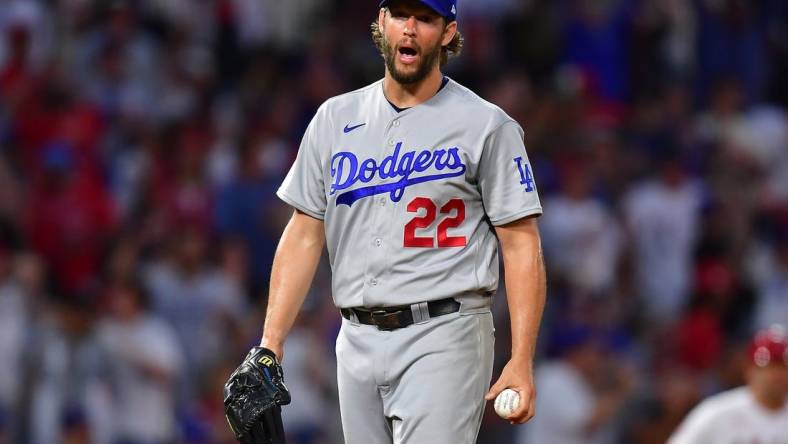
(396, 123)
(378, 242)
(382, 201)
(391, 142)
(373, 282)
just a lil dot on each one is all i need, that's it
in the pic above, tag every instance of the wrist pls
(272, 344)
(522, 359)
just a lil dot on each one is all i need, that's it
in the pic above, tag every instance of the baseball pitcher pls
(411, 183)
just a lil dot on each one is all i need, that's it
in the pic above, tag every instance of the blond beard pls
(428, 60)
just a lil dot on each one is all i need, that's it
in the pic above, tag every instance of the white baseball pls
(506, 403)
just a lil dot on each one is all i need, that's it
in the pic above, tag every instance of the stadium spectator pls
(581, 237)
(662, 215)
(69, 391)
(587, 388)
(145, 361)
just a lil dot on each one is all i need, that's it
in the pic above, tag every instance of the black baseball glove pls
(253, 397)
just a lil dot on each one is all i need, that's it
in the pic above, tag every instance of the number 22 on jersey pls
(455, 215)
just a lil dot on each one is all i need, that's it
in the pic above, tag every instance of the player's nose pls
(410, 26)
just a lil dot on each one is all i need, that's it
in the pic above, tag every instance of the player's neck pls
(410, 95)
(767, 399)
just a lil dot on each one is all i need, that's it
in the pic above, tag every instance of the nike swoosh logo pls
(349, 128)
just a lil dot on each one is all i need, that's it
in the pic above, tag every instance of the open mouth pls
(407, 54)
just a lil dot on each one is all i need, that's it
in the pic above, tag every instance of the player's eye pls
(397, 14)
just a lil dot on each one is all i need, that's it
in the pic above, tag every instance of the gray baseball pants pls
(422, 384)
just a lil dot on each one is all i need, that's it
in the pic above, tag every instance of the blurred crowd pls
(141, 143)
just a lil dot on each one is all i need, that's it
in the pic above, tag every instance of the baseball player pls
(410, 182)
(754, 414)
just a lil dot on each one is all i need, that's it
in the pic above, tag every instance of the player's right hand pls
(253, 397)
(277, 348)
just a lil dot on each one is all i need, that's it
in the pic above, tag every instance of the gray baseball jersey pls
(409, 198)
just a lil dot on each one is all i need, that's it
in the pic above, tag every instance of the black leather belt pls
(392, 318)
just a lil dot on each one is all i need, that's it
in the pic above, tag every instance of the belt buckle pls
(384, 320)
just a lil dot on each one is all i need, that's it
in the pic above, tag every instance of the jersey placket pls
(383, 231)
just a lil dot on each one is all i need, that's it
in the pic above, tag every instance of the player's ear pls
(448, 33)
(381, 18)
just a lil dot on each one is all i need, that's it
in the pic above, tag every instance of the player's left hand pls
(517, 376)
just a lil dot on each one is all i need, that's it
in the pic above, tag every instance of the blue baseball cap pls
(446, 8)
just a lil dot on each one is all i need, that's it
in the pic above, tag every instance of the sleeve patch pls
(526, 178)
